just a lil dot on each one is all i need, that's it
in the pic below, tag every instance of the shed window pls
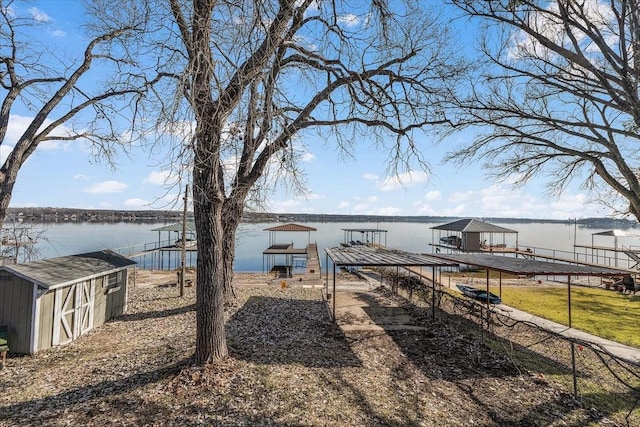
(113, 279)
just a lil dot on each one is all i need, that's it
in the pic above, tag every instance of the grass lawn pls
(607, 314)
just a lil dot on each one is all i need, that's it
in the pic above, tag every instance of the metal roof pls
(191, 227)
(618, 233)
(528, 267)
(373, 256)
(61, 271)
(290, 227)
(473, 226)
(365, 230)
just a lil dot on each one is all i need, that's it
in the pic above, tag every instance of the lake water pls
(73, 238)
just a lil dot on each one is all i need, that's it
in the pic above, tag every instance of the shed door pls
(73, 312)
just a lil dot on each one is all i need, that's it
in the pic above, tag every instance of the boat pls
(451, 240)
(479, 294)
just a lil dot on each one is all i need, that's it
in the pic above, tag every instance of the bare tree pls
(62, 95)
(558, 95)
(19, 241)
(260, 78)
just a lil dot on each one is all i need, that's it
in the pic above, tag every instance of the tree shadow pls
(48, 409)
(458, 354)
(608, 404)
(269, 330)
(155, 314)
(450, 348)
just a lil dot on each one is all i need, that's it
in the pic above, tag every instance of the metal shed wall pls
(16, 309)
(45, 327)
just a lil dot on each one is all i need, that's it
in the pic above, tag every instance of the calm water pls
(68, 238)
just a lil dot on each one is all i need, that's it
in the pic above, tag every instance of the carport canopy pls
(529, 267)
(372, 256)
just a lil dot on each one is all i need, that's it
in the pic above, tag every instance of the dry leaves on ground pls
(289, 365)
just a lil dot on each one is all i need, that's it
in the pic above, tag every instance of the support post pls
(433, 293)
(183, 252)
(334, 293)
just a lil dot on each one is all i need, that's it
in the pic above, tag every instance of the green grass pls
(607, 314)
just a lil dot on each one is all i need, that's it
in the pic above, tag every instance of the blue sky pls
(66, 175)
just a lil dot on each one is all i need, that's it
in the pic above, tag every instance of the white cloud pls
(4, 152)
(136, 203)
(58, 33)
(106, 187)
(460, 196)
(157, 177)
(389, 210)
(424, 209)
(315, 196)
(370, 176)
(433, 195)
(81, 177)
(307, 157)
(343, 205)
(403, 180)
(39, 15)
(349, 19)
(18, 124)
(458, 210)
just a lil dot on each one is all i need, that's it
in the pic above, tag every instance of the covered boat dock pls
(471, 235)
(368, 236)
(284, 258)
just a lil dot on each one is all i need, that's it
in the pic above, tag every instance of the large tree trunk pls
(8, 177)
(211, 343)
(230, 224)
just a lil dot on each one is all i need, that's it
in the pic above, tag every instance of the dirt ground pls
(289, 365)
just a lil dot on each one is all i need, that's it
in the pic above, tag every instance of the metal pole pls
(183, 254)
(487, 288)
(334, 292)
(433, 293)
(573, 349)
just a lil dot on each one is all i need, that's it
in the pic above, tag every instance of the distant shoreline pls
(72, 215)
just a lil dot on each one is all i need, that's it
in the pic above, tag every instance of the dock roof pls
(290, 227)
(473, 226)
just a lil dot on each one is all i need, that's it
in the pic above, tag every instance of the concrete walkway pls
(354, 311)
(364, 311)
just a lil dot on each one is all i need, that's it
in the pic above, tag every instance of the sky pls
(66, 174)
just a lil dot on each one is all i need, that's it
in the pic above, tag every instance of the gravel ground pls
(289, 365)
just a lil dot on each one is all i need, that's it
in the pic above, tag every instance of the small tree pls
(65, 100)
(20, 241)
(260, 78)
(558, 95)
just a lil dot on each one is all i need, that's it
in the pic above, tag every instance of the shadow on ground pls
(269, 330)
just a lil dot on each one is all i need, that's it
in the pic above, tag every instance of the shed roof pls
(528, 267)
(473, 226)
(374, 256)
(290, 227)
(61, 271)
